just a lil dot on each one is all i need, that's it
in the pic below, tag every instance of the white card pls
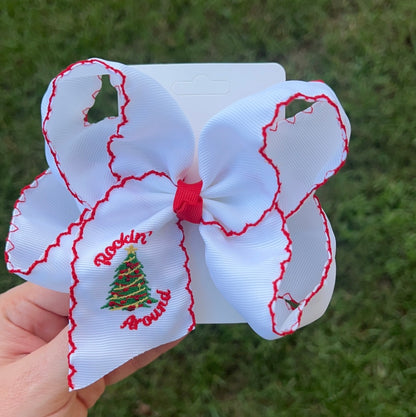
(202, 90)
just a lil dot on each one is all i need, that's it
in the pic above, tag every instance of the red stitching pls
(122, 91)
(73, 301)
(188, 271)
(73, 324)
(316, 98)
(274, 204)
(273, 125)
(279, 184)
(283, 266)
(328, 247)
(291, 303)
(133, 322)
(292, 120)
(49, 111)
(87, 109)
(305, 302)
(105, 257)
(57, 242)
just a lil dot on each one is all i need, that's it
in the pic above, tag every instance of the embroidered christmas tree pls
(130, 289)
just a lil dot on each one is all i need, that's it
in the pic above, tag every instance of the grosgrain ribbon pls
(188, 202)
(111, 221)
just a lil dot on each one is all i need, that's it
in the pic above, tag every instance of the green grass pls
(359, 359)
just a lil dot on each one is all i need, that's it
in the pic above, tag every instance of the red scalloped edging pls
(49, 111)
(44, 258)
(73, 300)
(291, 120)
(330, 256)
(273, 125)
(188, 271)
(84, 219)
(262, 152)
(303, 303)
(283, 266)
(122, 92)
(16, 213)
(87, 109)
(317, 98)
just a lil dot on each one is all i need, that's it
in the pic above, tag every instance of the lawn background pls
(359, 359)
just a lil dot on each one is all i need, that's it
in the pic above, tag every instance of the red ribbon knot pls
(188, 203)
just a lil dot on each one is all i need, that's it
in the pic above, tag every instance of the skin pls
(33, 357)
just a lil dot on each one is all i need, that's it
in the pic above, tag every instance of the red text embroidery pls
(104, 258)
(132, 322)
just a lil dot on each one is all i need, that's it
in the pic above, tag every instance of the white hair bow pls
(112, 219)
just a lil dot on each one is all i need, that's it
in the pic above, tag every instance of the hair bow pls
(112, 219)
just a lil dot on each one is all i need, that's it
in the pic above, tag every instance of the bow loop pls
(309, 147)
(239, 184)
(76, 149)
(149, 121)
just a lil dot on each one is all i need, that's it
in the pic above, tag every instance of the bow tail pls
(130, 290)
(280, 274)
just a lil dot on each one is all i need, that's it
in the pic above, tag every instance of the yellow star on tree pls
(130, 249)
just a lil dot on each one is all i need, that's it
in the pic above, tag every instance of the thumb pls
(42, 380)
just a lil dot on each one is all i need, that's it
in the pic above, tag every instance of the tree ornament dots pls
(129, 289)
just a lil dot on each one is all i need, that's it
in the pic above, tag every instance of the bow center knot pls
(188, 202)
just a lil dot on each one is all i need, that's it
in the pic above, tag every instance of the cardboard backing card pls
(202, 90)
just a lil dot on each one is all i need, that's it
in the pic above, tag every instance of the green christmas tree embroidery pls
(129, 290)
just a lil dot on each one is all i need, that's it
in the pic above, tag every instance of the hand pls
(33, 357)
